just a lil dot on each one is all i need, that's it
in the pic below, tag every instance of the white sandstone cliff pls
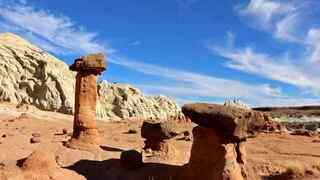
(32, 76)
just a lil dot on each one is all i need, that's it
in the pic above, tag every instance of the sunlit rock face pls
(30, 75)
(124, 101)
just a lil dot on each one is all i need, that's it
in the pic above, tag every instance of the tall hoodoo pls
(85, 134)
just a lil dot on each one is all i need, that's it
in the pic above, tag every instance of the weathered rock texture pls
(211, 159)
(118, 101)
(233, 123)
(85, 134)
(218, 150)
(31, 76)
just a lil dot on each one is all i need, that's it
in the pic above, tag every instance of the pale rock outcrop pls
(124, 101)
(236, 103)
(30, 75)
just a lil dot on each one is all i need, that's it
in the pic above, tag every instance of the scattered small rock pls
(148, 151)
(316, 141)
(187, 136)
(186, 133)
(64, 131)
(4, 136)
(36, 134)
(34, 140)
(131, 159)
(2, 165)
(132, 131)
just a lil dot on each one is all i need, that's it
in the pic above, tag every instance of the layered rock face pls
(31, 76)
(124, 101)
(218, 150)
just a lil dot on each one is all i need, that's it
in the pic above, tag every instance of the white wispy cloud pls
(313, 40)
(188, 86)
(285, 28)
(264, 12)
(284, 20)
(187, 83)
(59, 31)
(280, 18)
(275, 68)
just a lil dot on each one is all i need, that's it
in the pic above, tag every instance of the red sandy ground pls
(266, 153)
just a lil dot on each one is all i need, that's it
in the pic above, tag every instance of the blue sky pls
(264, 52)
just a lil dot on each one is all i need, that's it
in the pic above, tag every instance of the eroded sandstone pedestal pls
(218, 150)
(85, 134)
(211, 159)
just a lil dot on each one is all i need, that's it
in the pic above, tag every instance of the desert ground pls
(268, 154)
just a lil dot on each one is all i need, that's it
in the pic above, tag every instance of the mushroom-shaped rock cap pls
(92, 62)
(152, 129)
(229, 122)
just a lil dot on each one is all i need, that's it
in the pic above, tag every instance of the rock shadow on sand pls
(111, 169)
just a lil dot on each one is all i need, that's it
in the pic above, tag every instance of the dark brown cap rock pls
(92, 62)
(229, 122)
